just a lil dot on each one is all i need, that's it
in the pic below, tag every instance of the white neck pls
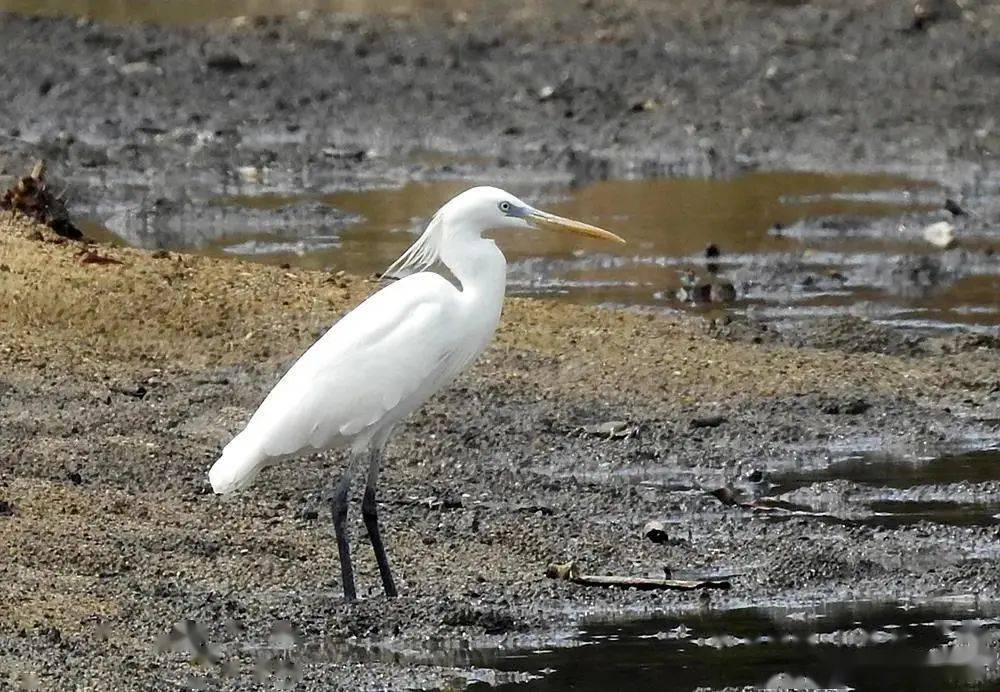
(480, 268)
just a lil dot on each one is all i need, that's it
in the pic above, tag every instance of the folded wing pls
(370, 369)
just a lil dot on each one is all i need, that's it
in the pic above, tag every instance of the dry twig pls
(571, 572)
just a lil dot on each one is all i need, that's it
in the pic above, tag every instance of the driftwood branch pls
(571, 572)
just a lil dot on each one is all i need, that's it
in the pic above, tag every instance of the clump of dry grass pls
(71, 304)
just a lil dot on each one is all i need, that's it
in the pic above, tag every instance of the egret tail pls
(237, 468)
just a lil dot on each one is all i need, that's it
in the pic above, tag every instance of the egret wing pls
(381, 360)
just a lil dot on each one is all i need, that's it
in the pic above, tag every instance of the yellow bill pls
(551, 222)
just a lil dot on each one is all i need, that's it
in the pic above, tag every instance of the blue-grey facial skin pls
(517, 211)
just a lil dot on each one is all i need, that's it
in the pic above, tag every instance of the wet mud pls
(122, 376)
(122, 380)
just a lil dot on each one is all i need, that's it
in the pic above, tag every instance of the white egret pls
(383, 359)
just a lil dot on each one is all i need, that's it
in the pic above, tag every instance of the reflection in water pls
(847, 646)
(860, 646)
(754, 242)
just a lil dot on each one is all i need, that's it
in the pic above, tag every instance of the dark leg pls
(369, 512)
(338, 507)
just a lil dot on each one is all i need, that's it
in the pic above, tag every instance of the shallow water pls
(937, 646)
(866, 646)
(886, 477)
(860, 646)
(778, 248)
(888, 470)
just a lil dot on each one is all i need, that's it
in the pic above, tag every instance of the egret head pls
(490, 208)
(468, 215)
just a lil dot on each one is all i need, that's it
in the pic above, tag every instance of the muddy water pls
(864, 647)
(887, 470)
(895, 490)
(790, 245)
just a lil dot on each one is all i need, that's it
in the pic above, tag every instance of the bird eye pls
(505, 207)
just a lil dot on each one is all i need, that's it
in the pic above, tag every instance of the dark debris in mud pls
(32, 196)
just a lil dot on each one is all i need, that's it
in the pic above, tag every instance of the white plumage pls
(383, 359)
(371, 369)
